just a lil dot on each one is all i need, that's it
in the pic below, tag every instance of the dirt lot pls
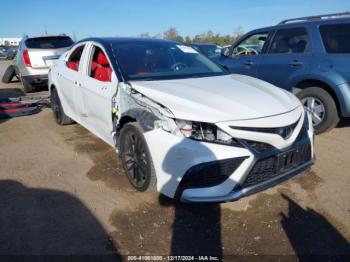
(63, 192)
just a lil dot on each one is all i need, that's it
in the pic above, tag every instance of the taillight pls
(26, 58)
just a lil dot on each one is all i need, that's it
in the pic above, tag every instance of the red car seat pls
(101, 69)
(74, 65)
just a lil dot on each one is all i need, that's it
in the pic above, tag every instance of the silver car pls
(34, 58)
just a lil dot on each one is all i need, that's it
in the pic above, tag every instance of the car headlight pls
(204, 132)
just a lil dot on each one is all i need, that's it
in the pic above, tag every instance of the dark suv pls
(309, 56)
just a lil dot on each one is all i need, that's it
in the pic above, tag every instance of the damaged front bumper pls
(195, 171)
(240, 193)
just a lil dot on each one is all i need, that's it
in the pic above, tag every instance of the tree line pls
(207, 37)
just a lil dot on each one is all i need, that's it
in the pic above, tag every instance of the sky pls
(86, 18)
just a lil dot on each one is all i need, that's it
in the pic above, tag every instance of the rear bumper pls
(37, 80)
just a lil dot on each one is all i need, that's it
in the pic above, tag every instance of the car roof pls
(302, 23)
(44, 36)
(119, 40)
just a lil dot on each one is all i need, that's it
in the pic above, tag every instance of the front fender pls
(145, 118)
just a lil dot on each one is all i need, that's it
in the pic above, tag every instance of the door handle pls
(295, 63)
(249, 63)
(76, 83)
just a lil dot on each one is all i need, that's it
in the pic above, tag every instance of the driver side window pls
(252, 45)
(99, 67)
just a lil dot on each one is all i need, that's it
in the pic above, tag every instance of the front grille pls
(271, 167)
(209, 174)
(259, 147)
(285, 131)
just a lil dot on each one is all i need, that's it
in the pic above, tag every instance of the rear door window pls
(336, 38)
(290, 41)
(73, 61)
(49, 42)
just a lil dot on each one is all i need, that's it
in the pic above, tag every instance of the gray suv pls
(34, 58)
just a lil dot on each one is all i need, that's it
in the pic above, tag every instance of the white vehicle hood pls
(220, 98)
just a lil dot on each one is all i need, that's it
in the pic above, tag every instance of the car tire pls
(323, 108)
(58, 113)
(136, 158)
(9, 74)
(27, 87)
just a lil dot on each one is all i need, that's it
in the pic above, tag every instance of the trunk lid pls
(41, 58)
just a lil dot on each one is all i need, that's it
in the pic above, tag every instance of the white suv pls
(179, 121)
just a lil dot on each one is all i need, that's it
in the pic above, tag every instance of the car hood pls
(219, 98)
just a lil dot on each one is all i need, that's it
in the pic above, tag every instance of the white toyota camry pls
(179, 122)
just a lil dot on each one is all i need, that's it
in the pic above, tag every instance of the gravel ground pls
(63, 192)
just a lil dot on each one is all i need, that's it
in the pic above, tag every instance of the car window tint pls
(49, 42)
(99, 66)
(252, 45)
(162, 60)
(75, 58)
(208, 50)
(289, 41)
(336, 38)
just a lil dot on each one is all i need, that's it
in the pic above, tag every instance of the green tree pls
(206, 37)
(188, 40)
(172, 34)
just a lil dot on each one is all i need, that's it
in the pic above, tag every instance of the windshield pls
(49, 42)
(162, 60)
(209, 50)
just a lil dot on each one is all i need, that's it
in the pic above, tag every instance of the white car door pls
(97, 87)
(67, 78)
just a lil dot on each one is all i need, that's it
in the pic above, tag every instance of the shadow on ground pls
(259, 232)
(196, 229)
(344, 122)
(49, 223)
(312, 236)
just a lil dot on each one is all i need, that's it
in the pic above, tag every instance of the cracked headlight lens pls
(205, 132)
